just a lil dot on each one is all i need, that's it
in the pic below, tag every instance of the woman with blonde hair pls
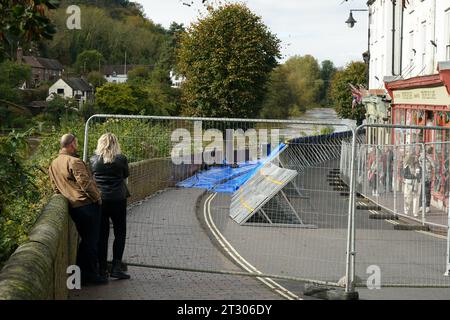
(110, 169)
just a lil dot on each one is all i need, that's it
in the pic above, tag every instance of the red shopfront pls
(425, 101)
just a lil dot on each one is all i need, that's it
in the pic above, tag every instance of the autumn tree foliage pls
(354, 73)
(226, 58)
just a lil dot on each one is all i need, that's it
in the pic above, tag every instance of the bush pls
(326, 130)
(24, 183)
(139, 139)
(19, 193)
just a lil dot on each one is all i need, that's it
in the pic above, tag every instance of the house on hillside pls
(175, 79)
(118, 73)
(76, 88)
(42, 69)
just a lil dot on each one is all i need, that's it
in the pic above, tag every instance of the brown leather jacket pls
(71, 177)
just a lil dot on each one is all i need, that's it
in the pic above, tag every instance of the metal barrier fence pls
(401, 216)
(341, 214)
(186, 228)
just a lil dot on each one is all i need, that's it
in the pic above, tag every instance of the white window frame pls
(447, 34)
(423, 41)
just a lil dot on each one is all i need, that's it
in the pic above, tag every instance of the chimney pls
(19, 55)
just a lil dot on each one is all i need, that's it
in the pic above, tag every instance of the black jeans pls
(116, 210)
(427, 193)
(87, 221)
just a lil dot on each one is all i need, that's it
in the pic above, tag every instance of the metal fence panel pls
(191, 228)
(401, 227)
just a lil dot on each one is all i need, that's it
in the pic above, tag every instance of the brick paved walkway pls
(164, 230)
(168, 229)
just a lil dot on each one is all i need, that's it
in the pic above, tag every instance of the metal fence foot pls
(329, 293)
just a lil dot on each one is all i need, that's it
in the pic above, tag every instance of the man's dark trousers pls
(427, 194)
(87, 220)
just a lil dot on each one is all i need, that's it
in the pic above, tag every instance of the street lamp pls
(351, 21)
(366, 55)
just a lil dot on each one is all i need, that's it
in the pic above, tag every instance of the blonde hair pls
(108, 147)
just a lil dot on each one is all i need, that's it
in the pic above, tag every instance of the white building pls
(176, 79)
(116, 78)
(116, 73)
(407, 38)
(409, 59)
(76, 88)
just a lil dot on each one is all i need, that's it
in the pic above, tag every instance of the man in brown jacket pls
(71, 178)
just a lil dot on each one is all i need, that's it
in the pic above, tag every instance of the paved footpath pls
(170, 229)
(164, 230)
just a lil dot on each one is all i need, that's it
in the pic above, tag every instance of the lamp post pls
(351, 21)
(350, 259)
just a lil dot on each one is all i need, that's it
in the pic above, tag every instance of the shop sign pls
(437, 96)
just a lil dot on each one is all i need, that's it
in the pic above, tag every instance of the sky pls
(315, 27)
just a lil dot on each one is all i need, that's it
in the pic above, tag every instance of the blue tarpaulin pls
(227, 179)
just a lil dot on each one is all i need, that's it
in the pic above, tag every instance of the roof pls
(50, 63)
(78, 84)
(45, 63)
(32, 61)
(120, 68)
(432, 80)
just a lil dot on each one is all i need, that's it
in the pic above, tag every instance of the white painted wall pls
(119, 78)
(423, 21)
(68, 91)
(60, 84)
(443, 30)
(419, 55)
(380, 44)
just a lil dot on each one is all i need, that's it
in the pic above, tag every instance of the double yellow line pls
(229, 249)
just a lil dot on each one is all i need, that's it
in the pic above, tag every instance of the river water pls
(323, 115)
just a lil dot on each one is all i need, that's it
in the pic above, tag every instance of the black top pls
(110, 177)
(408, 174)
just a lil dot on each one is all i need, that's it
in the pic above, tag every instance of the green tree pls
(117, 98)
(88, 61)
(355, 73)
(12, 76)
(139, 37)
(22, 22)
(119, 9)
(226, 58)
(162, 99)
(96, 79)
(327, 70)
(304, 80)
(124, 98)
(139, 76)
(279, 97)
(59, 109)
(167, 58)
(17, 189)
(294, 87)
